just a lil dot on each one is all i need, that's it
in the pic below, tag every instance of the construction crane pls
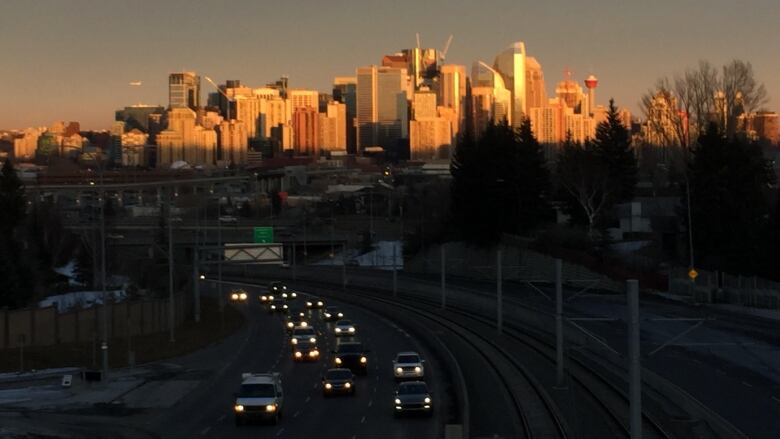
(229, 99)
(443, 53)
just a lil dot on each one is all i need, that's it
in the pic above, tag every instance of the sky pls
(73, 60)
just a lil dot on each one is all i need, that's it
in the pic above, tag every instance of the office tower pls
(536, 96)
(382, 108)
(137, 116)
(233, 142)
(266, 92)
(591, 82)
(452, 92)
(248, 110)
(184, 90)
(183, 140)
(132, 147)
(430, 138)
(570, 92)
(492, 99)
(511, 65)
(323, 99)
(273, 112)
(424, 104)
(333, 128)
(766, 126)
(25, 146)
(345, 91)
(306, 131)
(281, 85)
(303, 99)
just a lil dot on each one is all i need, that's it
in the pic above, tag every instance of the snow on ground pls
(24, 376)
(80, 299)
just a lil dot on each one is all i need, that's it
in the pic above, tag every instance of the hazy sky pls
(73, 59)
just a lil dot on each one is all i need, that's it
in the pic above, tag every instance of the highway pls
(264, 346)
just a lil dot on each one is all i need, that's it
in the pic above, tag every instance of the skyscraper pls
(184, 90)
(492, 99)
(306, 131)
(233, 142)
(345, 91)
(333, 128)
(452, 92)
(424, 104)
(511, 64)
(382, 108)
(535, 94)
(184, 140)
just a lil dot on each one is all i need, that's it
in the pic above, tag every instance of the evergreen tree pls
(533, 179)
(83, 269)
(612, 145)
(729, 184)
(12, 200)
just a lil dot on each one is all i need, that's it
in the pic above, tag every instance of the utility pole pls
(634, 366)
(171, 301)
(499, 293)
(395, 271)
(104, 344)
(443, 278)
(559, 322)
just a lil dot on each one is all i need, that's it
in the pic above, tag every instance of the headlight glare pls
(398, 369)
(397, 401)
(270, 408)
(347, 385)
(363, 360)
(328, 385)
(238, 408)
(427, 400)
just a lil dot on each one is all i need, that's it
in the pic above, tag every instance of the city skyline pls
(57, 71)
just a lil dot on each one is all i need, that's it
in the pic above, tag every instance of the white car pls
(303, 334)
(260, 397)
(345, 327)
(408, 365)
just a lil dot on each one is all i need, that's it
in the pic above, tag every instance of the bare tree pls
(586, 179)
(741, 92)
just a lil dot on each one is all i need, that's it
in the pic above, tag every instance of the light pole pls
(104, 293)
(171, 302)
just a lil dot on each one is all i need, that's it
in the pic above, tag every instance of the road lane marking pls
(363, 420)
(776, 398)
(279, 433)
(295, 415)
(205, 431)
(720, 372)
(370, 403)
(746, 384)
(315, 386)
(221, 418)
(308, 398)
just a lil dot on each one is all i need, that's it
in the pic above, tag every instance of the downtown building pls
(382, 110)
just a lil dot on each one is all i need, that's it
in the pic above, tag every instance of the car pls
(266, 298)
(314, 303)
(228, 219)
(260, 397)
(238, 295)
(296, 319)
(351, 355)
(277, 288)
(303, 334)
(289, 295)
(345, 327)
(332, 314)
(413, 397)
(278, 305)
(305, 350)
(408, 365)
(338, 381)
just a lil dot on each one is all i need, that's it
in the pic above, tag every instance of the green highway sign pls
(264, 235)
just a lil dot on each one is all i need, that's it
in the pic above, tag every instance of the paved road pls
(207, 411)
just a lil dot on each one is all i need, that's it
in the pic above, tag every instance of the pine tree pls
(533, 179)
(12, 200)
(612, 145)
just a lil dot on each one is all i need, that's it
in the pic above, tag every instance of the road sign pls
(264, 235)
(693, 274)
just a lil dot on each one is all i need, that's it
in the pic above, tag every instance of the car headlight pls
(284, 287)
(347, 385)
(284, 306)
(270, 297)
(290, 324)
(270, 408)
(234, 296)
(427, 400)
(397, 401)
(238, 408)
(338, 329)
(294, 295)
(341, 315)
(398, 369)
(417, 369)
(263, 298)
(242, 296)
(273, 306)
(295, 341)
(327, 314)
(328, 385)
(284, 295)
(308, 303)
(338, 360)
(363, 360)
(314, 353)
(298, 355)
(304, 324)
(319, 303)
(427, 406)
(313, 340)
(351, 329)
